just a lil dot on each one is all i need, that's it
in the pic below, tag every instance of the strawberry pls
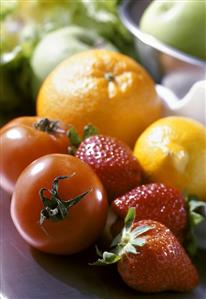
(113, 162)
(164, 204)
(149, 257)
(158, 202)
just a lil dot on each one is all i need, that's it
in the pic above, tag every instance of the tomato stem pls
(49, 126)
(56, 209)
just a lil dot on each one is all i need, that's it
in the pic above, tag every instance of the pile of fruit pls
(37, 35)
(99, 146)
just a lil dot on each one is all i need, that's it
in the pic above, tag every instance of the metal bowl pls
(168, 66)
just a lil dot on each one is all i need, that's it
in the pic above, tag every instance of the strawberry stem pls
(89, 130)
(56, 209)
(75, 140)
(126, 242)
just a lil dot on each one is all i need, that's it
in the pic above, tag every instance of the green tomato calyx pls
(49, 126)
(56, 209)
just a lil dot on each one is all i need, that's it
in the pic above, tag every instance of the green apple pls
(59, 45)
(178, 23)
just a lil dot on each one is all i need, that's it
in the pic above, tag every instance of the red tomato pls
(21, 143)
(85, 220)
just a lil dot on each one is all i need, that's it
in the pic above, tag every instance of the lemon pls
(173, 151)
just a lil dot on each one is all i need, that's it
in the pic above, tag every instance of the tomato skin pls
(22, 120)
(85, 220)
(21, 143)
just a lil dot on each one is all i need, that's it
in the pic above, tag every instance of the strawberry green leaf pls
(89, 130)
(116, 240)
(108, 258)
(125, 242)
(139, 230)
(197, 211)
(190, 243)
(129, 219)
(98, 252)
(196, 218)
(139, 242)
(75, 140)
(196, 214)
(129, 248)
(72, 150)
(73, 136)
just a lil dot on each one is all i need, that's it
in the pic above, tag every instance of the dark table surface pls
(26, 273)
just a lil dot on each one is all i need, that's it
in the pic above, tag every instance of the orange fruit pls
(102, 87)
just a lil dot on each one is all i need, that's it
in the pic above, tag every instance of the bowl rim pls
(153, 42)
